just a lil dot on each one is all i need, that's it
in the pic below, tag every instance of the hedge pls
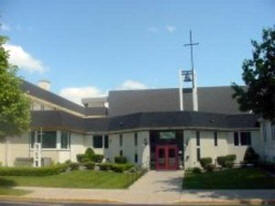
(105, 166)
(224, 160)
(31, 171)
(120, 160)
(115, 167)
(89, 165)
(205, 162)
(121, 167)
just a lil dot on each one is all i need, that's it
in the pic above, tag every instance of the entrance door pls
(166, 157)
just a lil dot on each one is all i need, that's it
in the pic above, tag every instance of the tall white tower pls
(189, 76)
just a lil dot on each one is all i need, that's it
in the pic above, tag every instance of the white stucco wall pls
(224, 147)
(14, 147)
(268, 141)
(129, 148)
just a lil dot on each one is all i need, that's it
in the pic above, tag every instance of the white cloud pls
(5, 27)
(75, 94)
(153, 29)
(170, 28)
(21, 58)
(131, 85)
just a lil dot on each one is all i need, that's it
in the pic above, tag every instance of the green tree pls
(259, 77)
(14, 105)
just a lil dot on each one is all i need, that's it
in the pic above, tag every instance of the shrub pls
(120, 160)
(196, 170)
(82, 158)
(221, 160)
(205, 162)
(89, 153)
(74, 166)
(105, 166)
(89, 165)
(228, 158)
(121, 167)
(97, 158)
(31, 171)
(250, 156)
(228, 164)
(231, 157)
(210, 167)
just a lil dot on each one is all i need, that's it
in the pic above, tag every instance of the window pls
(236, 138)
(48, 139)
(97, 141)
(198, 154)
(121, 153)
(136, 139)
(245, 138)
(273, 132)
(216, 138)
(136, 158)
(106, 141)
(264, 132)
(120, 140)
(65, 140)
(32, 138)
(198, 138)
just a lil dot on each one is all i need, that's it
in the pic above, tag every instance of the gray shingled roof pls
(59, 119)
(210, 99)
(43, 94)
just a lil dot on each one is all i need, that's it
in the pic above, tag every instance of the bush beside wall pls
(226, 161)
(120, 160)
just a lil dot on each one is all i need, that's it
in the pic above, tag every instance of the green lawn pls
(242, 178)
(74, 179)
(10, 191)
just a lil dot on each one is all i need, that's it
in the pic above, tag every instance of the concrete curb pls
(221, 202)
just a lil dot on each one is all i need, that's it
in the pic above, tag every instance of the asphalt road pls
(9, 203)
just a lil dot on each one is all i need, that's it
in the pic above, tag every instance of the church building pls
(162, 129)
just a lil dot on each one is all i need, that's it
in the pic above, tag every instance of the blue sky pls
(94, 46)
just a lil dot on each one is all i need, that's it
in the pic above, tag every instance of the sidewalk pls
(154, 188)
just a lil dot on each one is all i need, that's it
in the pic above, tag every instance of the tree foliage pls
(14, 105)
(259, 77)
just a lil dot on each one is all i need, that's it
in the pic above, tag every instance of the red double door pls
(166, 157)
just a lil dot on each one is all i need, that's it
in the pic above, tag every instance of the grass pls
(241, 178)
(75, 179)
(10, 191)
